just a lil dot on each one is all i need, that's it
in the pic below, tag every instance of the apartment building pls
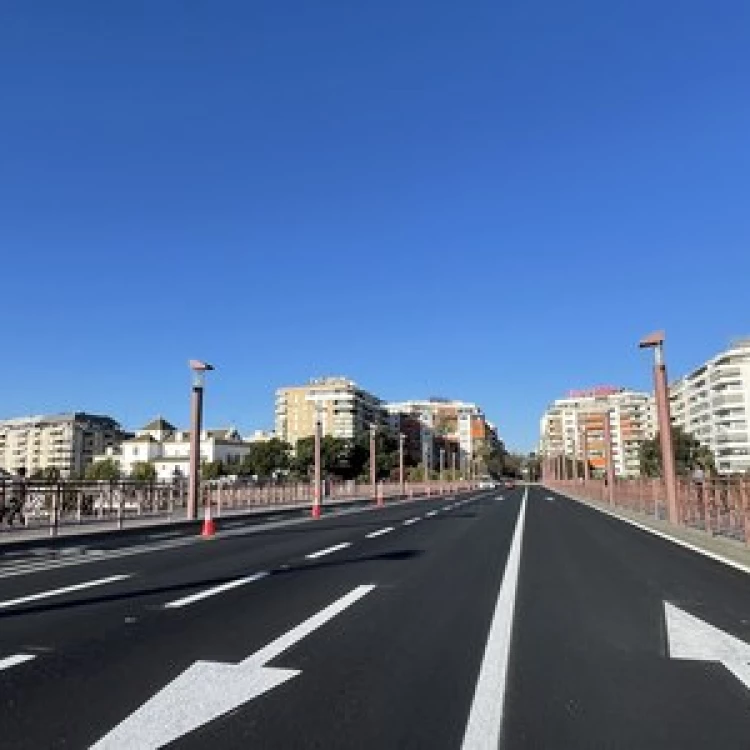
(632, 417)
(168, 449)
(713, 404)
(346, 410)
(459, 425)
(66, 442)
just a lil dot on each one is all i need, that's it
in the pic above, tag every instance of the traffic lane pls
(264, 546)
(400, 670)
(120, 665)
(64, 549)
(150, 580)
(589, 663)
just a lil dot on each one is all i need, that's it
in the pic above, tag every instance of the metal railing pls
(35, 504)
(719, 505)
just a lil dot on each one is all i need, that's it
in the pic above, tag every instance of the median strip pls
(328, 550)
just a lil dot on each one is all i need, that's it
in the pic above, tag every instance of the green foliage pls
(143, 471)
(266, 458)
(688, 452)
(107, 469)
(212, 470)
(47, 474)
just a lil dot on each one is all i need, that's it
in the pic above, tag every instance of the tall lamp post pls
(608, 458)
(453, 465)
(317, 491)
(655, 341)
(196, 417)
(442, 468)
(373, 474)
(401, 440)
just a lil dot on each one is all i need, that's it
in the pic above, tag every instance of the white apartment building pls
(66, 442)
(345, 409)
(632, 417)
(168, 449)
(713, 404)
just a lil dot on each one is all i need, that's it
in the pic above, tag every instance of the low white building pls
(168, 449)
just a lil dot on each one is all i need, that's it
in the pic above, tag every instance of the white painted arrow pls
(692, 638)
(207, 690)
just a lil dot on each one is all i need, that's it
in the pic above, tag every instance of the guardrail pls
(37, 504)
(718, 505)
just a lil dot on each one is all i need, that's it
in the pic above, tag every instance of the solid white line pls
(379, 532)
(63, 590)
(328, 550)
(410, 521)
(177, 603)
(486, 715)
(667, 537)
(12, 661)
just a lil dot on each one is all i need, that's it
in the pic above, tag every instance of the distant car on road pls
(509, 484)
(487, 484)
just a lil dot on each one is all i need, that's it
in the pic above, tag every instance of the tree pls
(47, 474)
(107, 469)
(143, 471)
(212, 470)
(689, 455)
(265, 458)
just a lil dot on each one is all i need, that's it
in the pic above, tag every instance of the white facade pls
(632, 417)
(66, 442)
(713, 404)
(168, 449)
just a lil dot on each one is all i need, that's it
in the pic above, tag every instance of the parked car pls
(487, 484)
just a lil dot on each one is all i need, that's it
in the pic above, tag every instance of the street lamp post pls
(585, 448)
(442, 468)
(453, 465)
(196, 416)
(655, 341)
(610, 466)
(401, 440)
(373, 474)
(317, 489)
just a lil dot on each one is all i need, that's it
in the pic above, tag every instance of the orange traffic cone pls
(209, 527)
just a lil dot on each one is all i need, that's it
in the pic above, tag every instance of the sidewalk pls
(722, 548)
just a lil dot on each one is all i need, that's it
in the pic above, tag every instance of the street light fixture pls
(318, 479)
(373, 473)
(401, 440)
(655, 341)
(199, 370)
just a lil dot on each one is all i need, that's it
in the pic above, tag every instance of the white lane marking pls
(63, 590)
(667, 537)
(12, 661)
(207, 690)
(328, 550)
(379, 532)
(166, 535)
(692, 638)
(431, 513)
(220, 589)
(486, 715)
(410, 521)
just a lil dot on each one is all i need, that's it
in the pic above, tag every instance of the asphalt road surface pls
(518, 619)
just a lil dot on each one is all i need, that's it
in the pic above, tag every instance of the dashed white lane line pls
(431, 513)
(220, 589)
(486, 715)
(410, 521)
(63, 590)
(328, 550)
(379, 532)
(12, 661)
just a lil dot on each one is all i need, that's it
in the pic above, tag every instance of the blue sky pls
(487, 200)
